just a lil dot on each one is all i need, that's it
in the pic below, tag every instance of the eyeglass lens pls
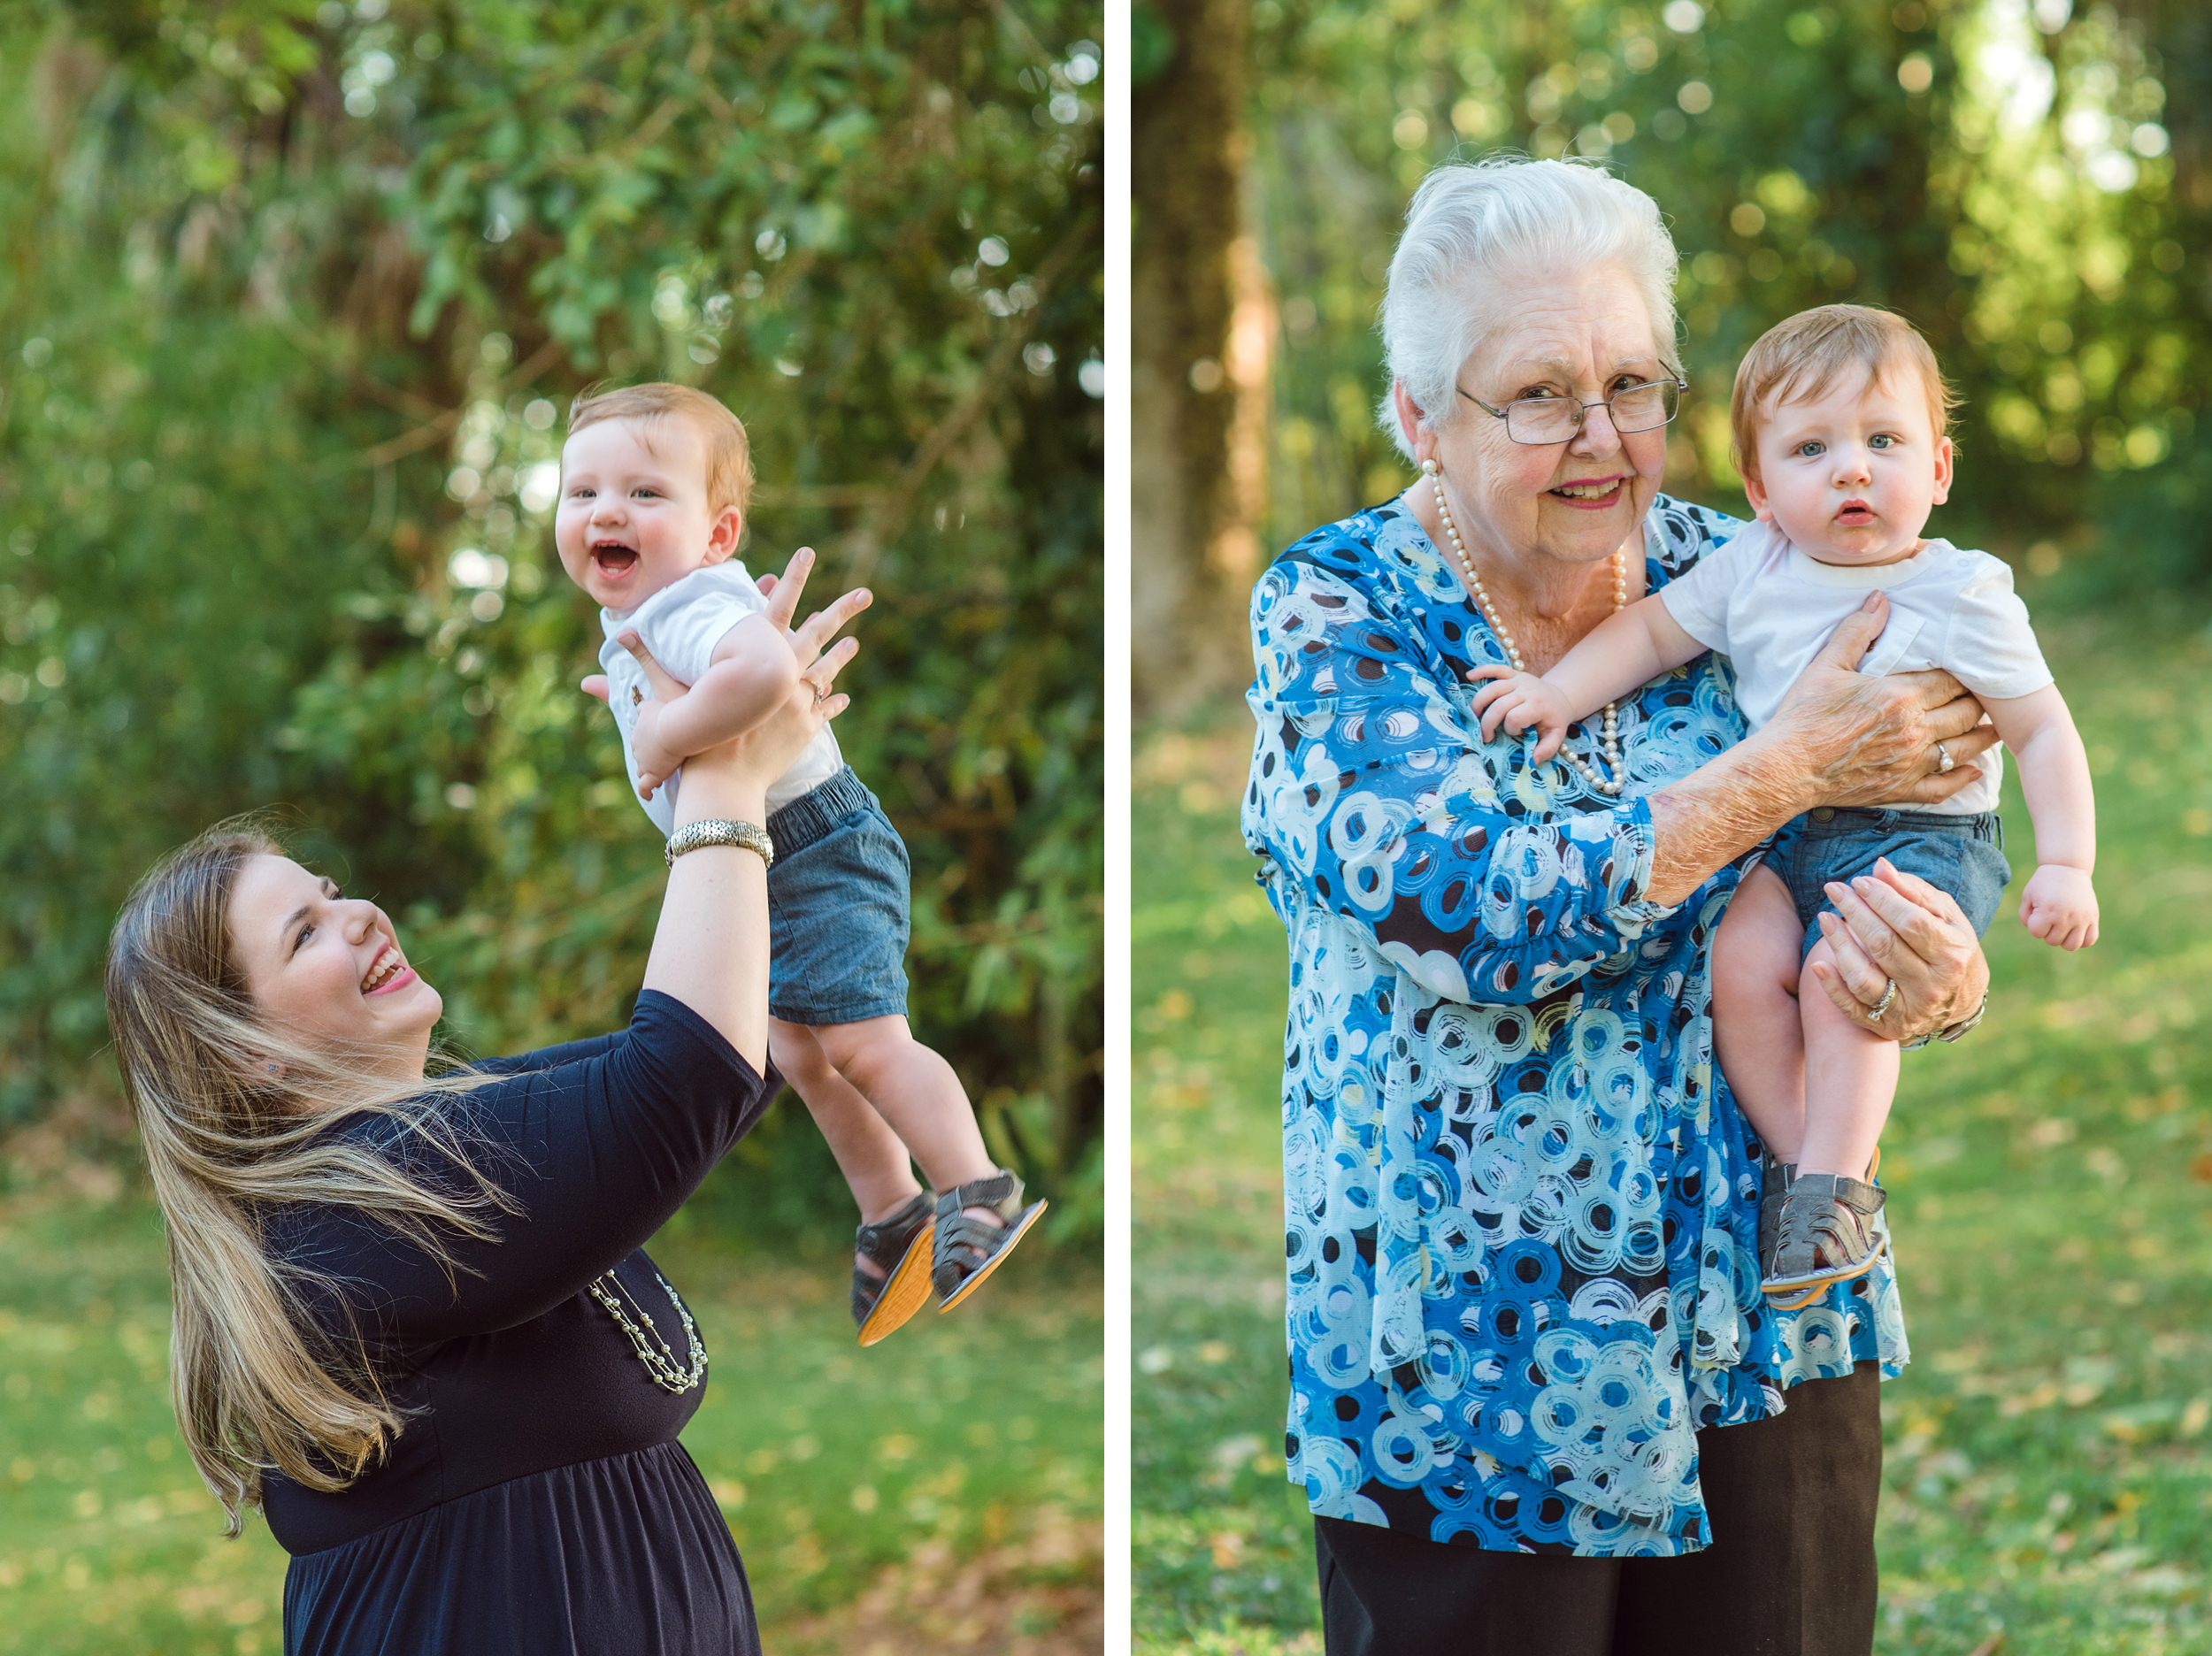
(1554, 419)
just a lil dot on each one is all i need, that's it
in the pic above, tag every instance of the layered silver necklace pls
(1610, 741)
(669, 1373)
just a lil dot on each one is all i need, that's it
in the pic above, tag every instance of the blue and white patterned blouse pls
(1521, 1212)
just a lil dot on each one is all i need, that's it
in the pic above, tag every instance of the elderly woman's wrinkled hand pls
(1521, 701)
(1890, 927)
(1879, 741)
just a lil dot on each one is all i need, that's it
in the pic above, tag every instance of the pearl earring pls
(1428, 468)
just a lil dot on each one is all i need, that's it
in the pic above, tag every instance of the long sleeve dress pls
(1521, 1210)
(536, 1501)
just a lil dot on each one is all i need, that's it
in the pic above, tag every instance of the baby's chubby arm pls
(749, 675)
(1622, 652)
(2059, 904)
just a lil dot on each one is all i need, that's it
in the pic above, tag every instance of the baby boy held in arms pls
(654, 485)
(1840, 417)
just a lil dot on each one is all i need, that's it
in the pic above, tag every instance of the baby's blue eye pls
(1881, 439)
(1813, 449)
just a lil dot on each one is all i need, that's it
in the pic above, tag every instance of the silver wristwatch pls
(1953, 1032)
(721, 831)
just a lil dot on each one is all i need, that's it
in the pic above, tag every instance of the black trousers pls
(1790, 1572)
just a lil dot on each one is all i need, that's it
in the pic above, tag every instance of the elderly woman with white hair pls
(1538, 1404)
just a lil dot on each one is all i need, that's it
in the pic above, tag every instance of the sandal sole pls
(1019, 1229)
(904, 1289)
(1805, 1290)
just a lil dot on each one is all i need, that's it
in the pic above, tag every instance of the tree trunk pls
(1201, 335)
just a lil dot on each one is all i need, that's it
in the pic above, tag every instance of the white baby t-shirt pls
(680, 625)
(1768, 607)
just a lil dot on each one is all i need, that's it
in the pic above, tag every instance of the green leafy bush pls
(294, 300)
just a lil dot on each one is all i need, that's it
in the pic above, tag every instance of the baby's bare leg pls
(916, 1092)
(1758, 1030)
(1853, 1081)
(869, 1153)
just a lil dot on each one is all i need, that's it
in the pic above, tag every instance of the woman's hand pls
(1866, 741)
(1895, 927)
(1840, 737)
(764, 752)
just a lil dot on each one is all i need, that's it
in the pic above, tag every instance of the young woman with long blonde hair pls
(414, 1325)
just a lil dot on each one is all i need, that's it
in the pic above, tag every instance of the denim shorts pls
(1962, 855)
(838, 908)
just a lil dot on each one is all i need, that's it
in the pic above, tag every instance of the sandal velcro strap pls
(885, 1242)
(965, 1244)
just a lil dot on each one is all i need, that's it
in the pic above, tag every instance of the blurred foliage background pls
(2029, 181)
(293, 298)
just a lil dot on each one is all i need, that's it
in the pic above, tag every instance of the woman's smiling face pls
(1581, 337)
(325, 968)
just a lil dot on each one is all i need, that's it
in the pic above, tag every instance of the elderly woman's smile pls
(1531, 513)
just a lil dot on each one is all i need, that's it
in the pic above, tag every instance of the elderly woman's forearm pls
(1718, 812)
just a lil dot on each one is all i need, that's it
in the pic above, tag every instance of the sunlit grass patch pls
(975, 1432)
(2050, 1463)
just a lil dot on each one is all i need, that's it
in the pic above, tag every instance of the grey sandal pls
(969, 1249)
(1828, 1234)
(900, 1246)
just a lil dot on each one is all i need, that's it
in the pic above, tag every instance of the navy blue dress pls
(537, 1501)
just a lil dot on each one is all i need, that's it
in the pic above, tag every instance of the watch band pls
(1953, 1031)
(721, 831)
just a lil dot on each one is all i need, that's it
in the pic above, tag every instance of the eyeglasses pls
(1539, 420)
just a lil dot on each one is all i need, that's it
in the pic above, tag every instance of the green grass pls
(2049, 1467)
(975, 1437)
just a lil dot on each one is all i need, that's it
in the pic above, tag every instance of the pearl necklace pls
(1610, 739)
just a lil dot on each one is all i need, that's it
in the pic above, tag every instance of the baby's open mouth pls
(613, 559)
(1855, 512)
